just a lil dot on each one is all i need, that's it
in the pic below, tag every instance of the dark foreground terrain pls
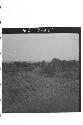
(40, 87)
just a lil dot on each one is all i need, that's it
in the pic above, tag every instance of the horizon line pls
(40, 60)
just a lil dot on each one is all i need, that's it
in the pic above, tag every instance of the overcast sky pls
(37, 47)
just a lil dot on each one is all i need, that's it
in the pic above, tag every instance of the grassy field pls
(26, 91)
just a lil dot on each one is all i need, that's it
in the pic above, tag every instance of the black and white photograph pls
(41, 70)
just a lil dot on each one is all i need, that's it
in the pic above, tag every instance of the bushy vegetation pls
(40, 86)
(71, 68)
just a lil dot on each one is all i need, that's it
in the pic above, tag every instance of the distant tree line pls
(55, 65)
